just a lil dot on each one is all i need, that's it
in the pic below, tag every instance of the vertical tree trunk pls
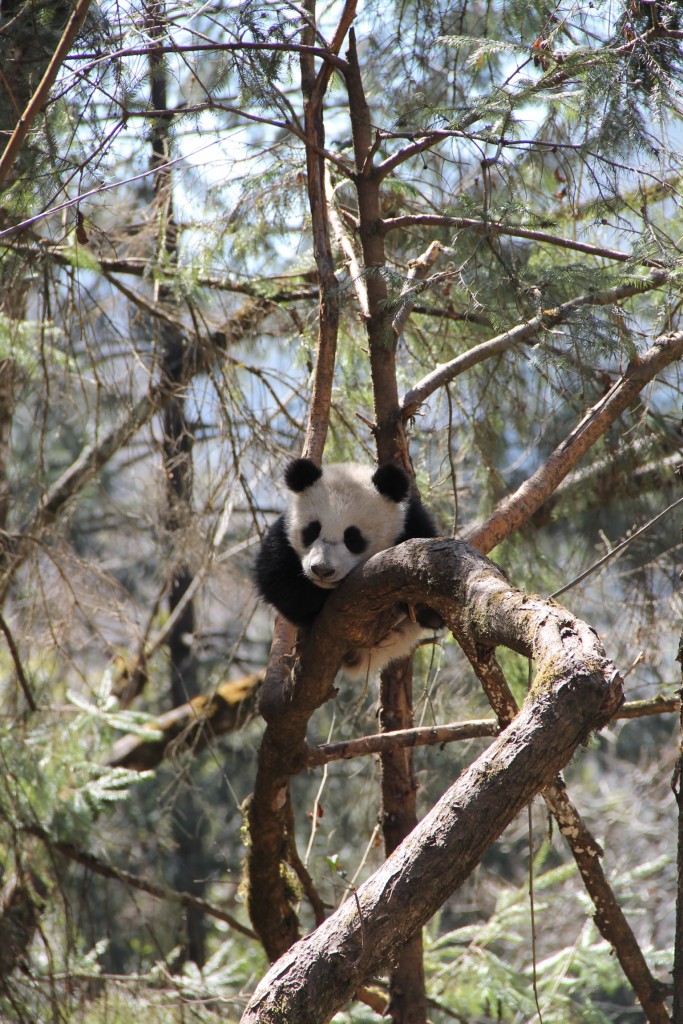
(407, 1003)
(177, 458)
(407, 994)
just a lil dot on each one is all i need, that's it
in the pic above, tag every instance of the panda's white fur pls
(343, 497)
(337, 518)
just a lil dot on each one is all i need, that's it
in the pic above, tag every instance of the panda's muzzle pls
(325, 575)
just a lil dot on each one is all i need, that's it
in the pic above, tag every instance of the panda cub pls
(337, 518)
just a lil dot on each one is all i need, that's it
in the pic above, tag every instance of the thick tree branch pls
(465, 588)
(609, 917)
(576, 690)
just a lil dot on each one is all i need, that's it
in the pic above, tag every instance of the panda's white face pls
(340, 521)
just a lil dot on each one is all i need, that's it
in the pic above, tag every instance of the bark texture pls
(576, 689)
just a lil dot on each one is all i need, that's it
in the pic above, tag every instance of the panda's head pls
(343, 514)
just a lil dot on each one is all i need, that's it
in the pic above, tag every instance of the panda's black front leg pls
(281, 581)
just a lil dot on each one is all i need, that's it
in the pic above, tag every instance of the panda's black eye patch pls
(354, 540)
(310, 533)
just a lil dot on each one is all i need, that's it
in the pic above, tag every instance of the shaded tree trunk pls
(177, 458)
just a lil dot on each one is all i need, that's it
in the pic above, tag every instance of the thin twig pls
(21, 675)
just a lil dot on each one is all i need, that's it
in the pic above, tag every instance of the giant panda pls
(337, 518)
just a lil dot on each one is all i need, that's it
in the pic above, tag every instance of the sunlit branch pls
(486, 227)
(517, 508)
(518, 335)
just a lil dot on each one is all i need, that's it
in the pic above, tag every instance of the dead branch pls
(94, 864)
(190, 727)
(427, 736)
(419, 268)
(609, 917)
(487, 227)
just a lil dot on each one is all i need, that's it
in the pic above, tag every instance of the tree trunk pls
(177, 457)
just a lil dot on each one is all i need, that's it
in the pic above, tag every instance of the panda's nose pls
(322, 571)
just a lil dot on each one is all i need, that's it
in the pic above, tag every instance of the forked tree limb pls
(576, 689)
(472, 595)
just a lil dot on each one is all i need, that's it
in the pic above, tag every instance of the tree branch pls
(516, 509)
(576, 690)
(95, 455)
(92, 863)
(521, 334)
(464, 587)
(486, 227)
(39, 97)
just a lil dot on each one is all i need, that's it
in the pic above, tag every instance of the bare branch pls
(516, 509)
(518, 335)
(486, 227)
(95, 455)
(92, 863)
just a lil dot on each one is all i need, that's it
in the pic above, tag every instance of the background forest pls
(445, 234)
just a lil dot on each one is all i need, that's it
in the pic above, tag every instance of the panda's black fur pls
(337, 518)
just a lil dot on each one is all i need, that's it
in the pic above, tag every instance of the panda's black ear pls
(300, 474)
(391, 482)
